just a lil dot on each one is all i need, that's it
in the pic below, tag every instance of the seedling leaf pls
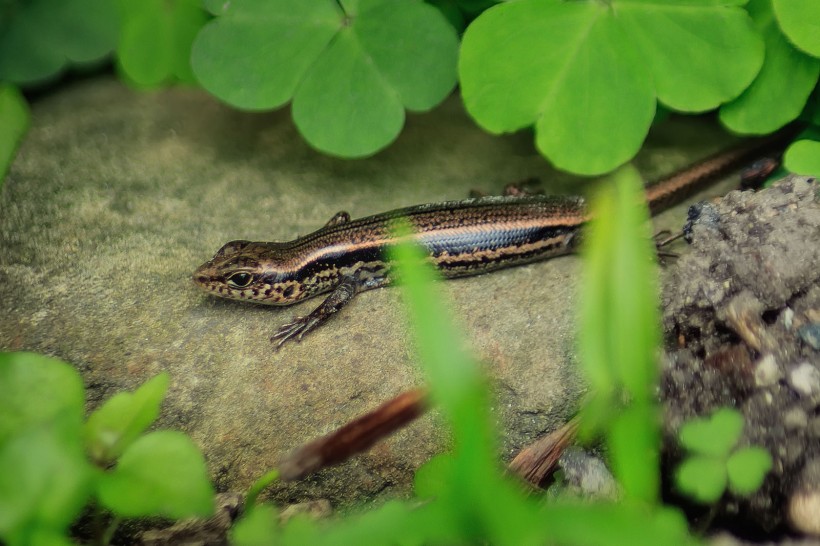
(747, 468)
(44, 481)
(715, 435)
(160, 474)
(703, 478)
(39, 390)
(259, 526)
(120, 420)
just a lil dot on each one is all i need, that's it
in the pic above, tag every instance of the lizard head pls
(251, 271)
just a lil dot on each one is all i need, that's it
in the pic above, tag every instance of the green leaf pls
(431, 480)
(620, 323)
(634, 440)
(747, 468)
(350, 74)
(772, 100)
(800, 21)
(701, 52)
(803, 157)
(43, 36)
(118, 422)
(155, 45)
(160, 474)
(715, 435)
(565, 68)
(582, 72)
(259, 526)
(702, 478)
(609, 524)
(44, 480)
(14, 120)
(39, 390)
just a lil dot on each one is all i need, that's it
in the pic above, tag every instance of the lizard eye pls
(240, 280)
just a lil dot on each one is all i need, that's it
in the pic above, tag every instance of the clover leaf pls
(350, 68)
(772, 100)
(803, 157)
(800, 20)
(122, 418)
(155, 45)
(715, 462)
(160, 474)
(15, 115)
(41, 37)
(588, 74)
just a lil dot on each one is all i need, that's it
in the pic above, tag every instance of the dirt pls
(741, 310)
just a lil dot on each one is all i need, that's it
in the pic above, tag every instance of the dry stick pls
(536, 461)
(533, 463)
(354, 437)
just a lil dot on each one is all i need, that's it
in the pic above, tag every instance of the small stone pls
(804, 504)
(587, 476)
(795, 418)
(810, 333)
(805, 379)
(804, 507)
(788, 318)
(316, 509)
(767, 372)
(813, 427)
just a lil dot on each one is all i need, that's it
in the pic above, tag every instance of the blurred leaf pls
(615, 525)
(257, 527)
(747, 469)
(799, 21)
(39, 390)
(155, 45)
(257, 487)
(583, 71)
(14, 120)
(160, 474)
(702, 478)
(119, 421)
(44, 481)
(350, 75)
(715, 435)
(431, 480)
(803, 157)
(620, 323)
(772, 100)
(633, 445)
(44, 36)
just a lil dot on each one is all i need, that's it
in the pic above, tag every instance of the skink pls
(462, 238)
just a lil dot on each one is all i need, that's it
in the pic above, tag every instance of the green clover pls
(714, 462)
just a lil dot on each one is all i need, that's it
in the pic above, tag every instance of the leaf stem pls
(258, 486)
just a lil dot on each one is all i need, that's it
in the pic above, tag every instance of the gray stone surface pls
(116, 196)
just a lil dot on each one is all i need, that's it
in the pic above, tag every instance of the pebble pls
(810, 333)
(804, 504)
(587, 476)
(767, 372)
(805, 379)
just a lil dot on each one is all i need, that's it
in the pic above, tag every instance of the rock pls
(804, 504)
(767, 372)
(810, 333)
(805, 379)
(587, 476)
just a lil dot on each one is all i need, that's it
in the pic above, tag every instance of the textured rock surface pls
(116, 196)
(736, 305)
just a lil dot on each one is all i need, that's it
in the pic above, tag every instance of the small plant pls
(716, 461)
(52, 464)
